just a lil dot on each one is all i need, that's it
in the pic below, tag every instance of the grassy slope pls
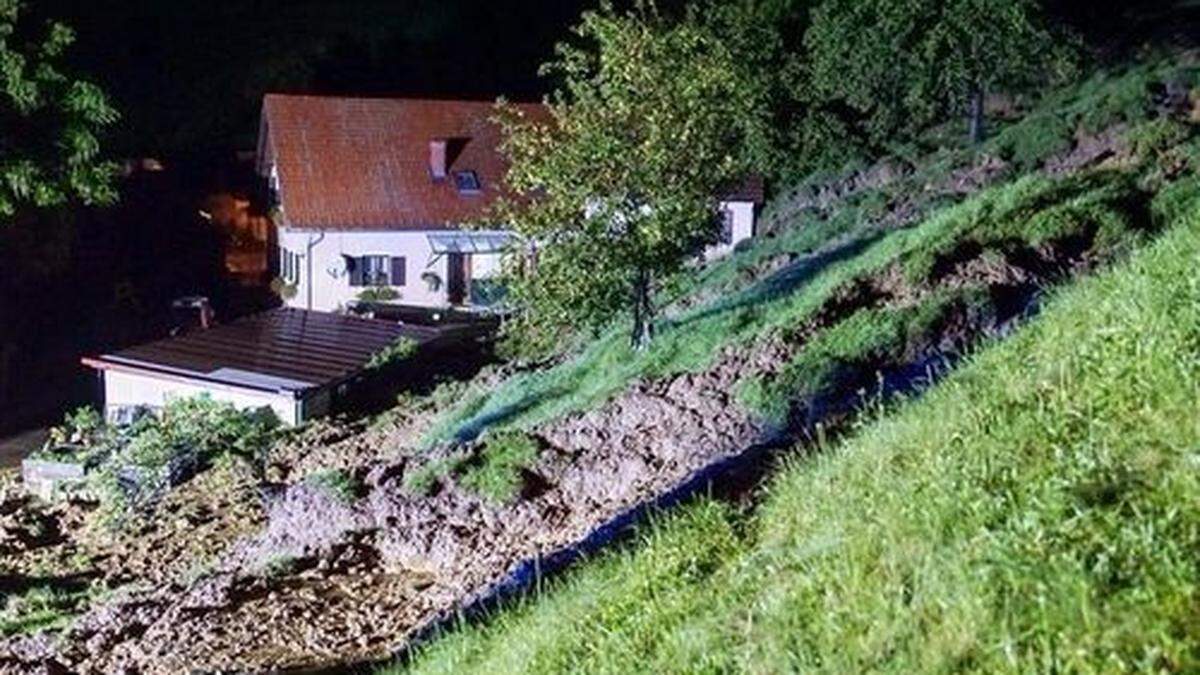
(749, 308)
(1038, 510)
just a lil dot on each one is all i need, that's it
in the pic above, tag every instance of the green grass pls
(338, 483)
(1106, 98)
(41, 608)
(497, 474)
(869, 337)
(1029, 211)
(1038, 511)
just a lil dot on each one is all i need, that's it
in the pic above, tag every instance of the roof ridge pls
(399, 99)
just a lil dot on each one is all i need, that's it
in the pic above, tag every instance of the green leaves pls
(51, 137)
(651, 118)
(901, 66)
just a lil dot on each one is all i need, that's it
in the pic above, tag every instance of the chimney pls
(437, 158)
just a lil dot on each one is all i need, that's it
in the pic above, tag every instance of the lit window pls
(467, 181)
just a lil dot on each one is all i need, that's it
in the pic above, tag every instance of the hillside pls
(1039, 506)
(339, 542)
(895, 547)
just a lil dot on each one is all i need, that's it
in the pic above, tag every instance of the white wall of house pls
(122, 388)
(742, 217)
(331, 282)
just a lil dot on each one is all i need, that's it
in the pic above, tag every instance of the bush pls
(81, 438)
(378, 294)
(1034, 140)
(393, 354)
(149, 457)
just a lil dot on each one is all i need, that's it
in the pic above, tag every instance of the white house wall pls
(136, 389)
(332, 288)
(743, 228)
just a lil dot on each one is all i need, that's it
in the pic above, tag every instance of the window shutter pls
(355, 267)
(399, 277)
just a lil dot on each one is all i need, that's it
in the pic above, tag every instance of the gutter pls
(313, 240)
(170, 374)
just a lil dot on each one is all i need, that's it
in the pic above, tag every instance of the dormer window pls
(438, 159)
(467, 182)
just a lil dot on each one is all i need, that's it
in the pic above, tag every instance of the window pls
(467, 181)
(725, 235)
(289, 266)
(377, 270)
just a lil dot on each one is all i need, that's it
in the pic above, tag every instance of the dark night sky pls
(188, 75)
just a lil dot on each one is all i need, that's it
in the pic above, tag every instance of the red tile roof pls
(750, 189)
(360, 163)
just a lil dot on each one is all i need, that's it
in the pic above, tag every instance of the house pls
(389, 199)
(294, 362)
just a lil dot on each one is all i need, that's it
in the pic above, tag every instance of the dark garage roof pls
(282, 350)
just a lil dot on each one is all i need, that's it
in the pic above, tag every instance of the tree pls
(49, 145)
(619, 188)
(901, 65)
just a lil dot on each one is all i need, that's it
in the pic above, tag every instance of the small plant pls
(280, 565)
(285, 290)
(505, 454)
(42, 608)
(83, 428)
(393, 354)
(378, 294)
(340, 484)
(423, 480)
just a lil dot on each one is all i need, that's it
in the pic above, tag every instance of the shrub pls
(1035, 139)
(82, 427)
(81, 438)
(154, 454)
(393, 354)
(378, 294)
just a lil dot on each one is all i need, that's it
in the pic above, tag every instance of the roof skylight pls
(467, 181)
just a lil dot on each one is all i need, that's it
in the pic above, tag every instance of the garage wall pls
(133, 389)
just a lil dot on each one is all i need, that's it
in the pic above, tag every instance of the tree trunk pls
(643, 313)
(977, 130)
